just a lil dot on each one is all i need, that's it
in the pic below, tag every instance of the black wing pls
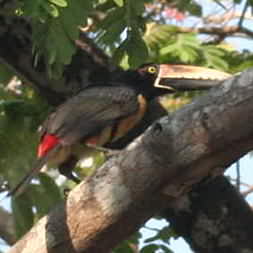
(90, 112)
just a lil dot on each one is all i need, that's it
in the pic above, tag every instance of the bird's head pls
(159, 79)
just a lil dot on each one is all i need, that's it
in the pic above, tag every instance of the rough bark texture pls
(213, 217)
(174, 154)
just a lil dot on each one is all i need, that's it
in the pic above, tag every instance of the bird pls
(105, 112)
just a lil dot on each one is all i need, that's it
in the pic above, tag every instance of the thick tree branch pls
(172, 156)
(213, 217)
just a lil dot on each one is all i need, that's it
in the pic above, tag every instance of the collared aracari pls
(104, 113)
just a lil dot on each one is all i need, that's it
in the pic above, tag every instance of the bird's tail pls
(19, 188)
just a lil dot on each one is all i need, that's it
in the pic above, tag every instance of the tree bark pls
(213, 217)
(177, 152)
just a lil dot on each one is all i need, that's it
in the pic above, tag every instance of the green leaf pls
(32, 8)
(60, 3)
(190, 6)
(55, 33)
(120, 3)
(164, 234)
(51, 9)
(115, 31)
(12, 107)
(244, 65)
(58, 46)
(127, 16)
(184, 46)
(165, 249)
(22, 213)
(214, 57)
(136, 49)
(19, 119)
(44, 196)
(120, 54)
(136, 8)
(49, 186)
(195, 9)
(157, 35)
(113, 25)
(151, 248)
(70, 22)
(5, 74)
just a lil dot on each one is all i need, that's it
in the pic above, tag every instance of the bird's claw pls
(111, 153)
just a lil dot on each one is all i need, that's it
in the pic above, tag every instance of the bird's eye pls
(152, 70)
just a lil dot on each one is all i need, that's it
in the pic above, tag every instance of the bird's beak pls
(186, 77)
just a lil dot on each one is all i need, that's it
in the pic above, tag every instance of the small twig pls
(238, 176)
(246, 31)
(242, 183)
(243, 14)
(226, 30)
(220, 4)
(247, 192)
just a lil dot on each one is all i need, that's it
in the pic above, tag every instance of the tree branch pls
(173, 155)
(214, 217)
(224, 31)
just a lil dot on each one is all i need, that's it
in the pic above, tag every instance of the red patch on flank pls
(48, 142)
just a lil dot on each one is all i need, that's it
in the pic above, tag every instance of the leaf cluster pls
(55, 26)
(21, 111)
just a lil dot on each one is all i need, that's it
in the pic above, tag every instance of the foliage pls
(128, 246)
(132, 32)
(159, 241)
(55, 29)
(126, 18)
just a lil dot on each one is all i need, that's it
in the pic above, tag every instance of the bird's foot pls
(111, 153)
